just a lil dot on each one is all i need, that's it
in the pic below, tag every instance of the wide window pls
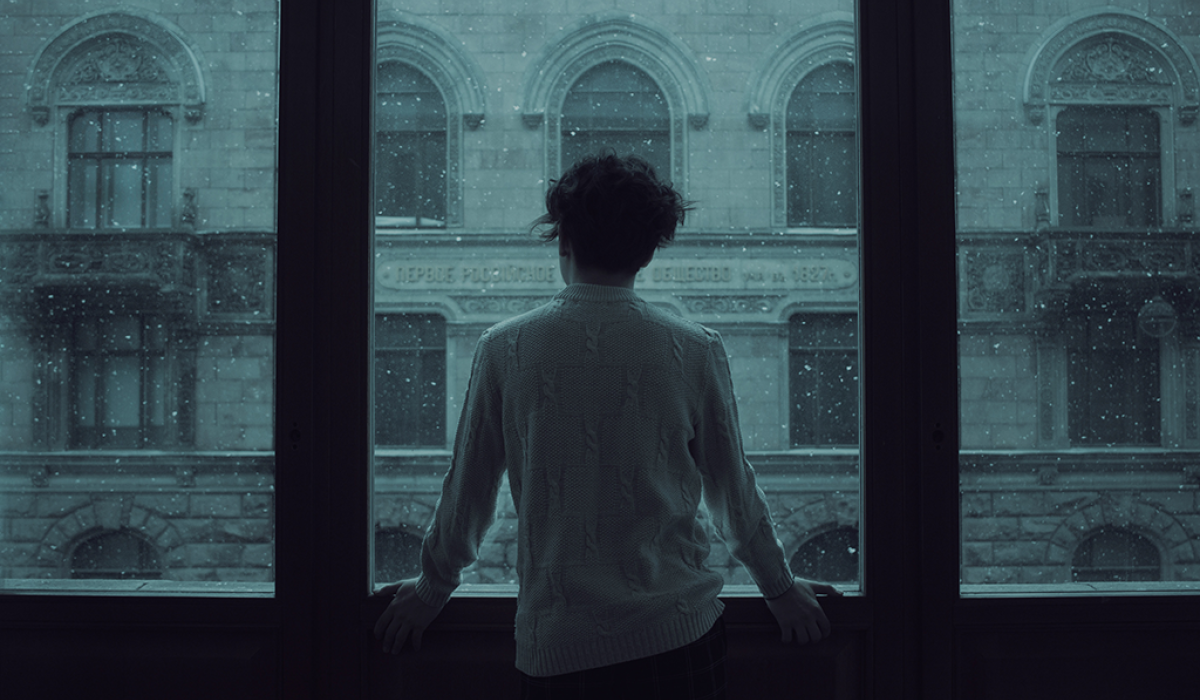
(1114, 384)
(822, 155)
(410, 149)
(1109, 171)
(615, 105)
(785, 306)
(119, 171)
(410, 380)
(823, 358)
(122, 393)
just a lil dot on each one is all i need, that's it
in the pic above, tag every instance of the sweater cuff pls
(432, 595)
(777, 586)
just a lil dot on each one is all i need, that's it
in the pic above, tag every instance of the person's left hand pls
(406, 613)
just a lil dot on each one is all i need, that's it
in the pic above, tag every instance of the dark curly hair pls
(613, 211)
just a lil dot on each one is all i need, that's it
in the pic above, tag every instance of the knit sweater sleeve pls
(467, 505)
(737, 506)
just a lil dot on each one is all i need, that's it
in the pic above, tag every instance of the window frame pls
(911, 616)
(144, 158)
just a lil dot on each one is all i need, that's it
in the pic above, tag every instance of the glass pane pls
(123, 132)
(158, 193)
(82, 191)
(122, 198)
(822, 170)
(122, 382)
(155, 402)
(161, 132)
(87, 373)
(85, 133)
(123, 333)
(1078, 358)
(150, 343)
(552, 85)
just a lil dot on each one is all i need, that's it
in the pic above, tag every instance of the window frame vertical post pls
(910, 515)
(323, 425)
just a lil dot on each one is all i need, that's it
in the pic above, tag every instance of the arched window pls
(1115, 554)
(615, 105)
(119, 169)
(1110, 88)
(115, 555)
(410, 149)
(1109, 167)
(397, 555)
(829, 556)
(822, 152)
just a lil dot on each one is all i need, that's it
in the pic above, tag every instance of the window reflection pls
(120, 383)
(823, 360)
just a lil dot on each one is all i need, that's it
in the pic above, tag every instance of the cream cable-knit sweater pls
(611, 418)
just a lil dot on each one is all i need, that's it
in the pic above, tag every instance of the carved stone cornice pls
(1072, 258)
(120, 57)
(238, 280)
(720, 304)
(506, 305)
(230, 275)
(1112, 57)
(993, 281)
(105, 261)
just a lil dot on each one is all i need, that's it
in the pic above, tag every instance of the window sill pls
(100, 587)
(1077, 590)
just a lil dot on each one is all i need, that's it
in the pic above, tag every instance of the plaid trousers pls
(692, 672)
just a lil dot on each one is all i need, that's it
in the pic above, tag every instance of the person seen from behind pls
(614, 421)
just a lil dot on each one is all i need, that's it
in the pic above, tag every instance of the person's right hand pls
(799, 614)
